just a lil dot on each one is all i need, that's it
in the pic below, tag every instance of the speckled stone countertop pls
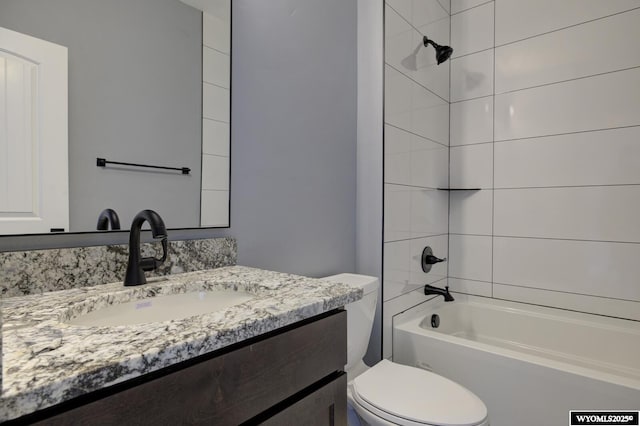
(47, 361)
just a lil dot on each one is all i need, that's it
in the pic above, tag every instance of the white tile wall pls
(411, 212)
(413, 160)
(471, 166)
(398, 41)
(403, 271)
(460, 5)
(562, 126)
(215, 172)
(430, 115)
(216, 68)
(607, 213)
(582, 267)
(419, 12)
(397, 155)
(215, 137)
(576, 302)
(429, 164)
(472, 76)
(397, 98)
(600, 102)
(216, 31)
(472, 30)
(478, 288)
(397, 212)
(470, 257)
(215, 102)
(416, 153)
(412, 107)
(568, 54)
(472, 121)
(215, 208)
(605, 157)
(471, 212)
(216, 90)
(446, 5)
(519, 19)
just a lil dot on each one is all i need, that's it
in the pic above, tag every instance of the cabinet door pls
(231, 388)
(325, 407)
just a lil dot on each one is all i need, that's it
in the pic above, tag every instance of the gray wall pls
(135, 84)
(293, 175)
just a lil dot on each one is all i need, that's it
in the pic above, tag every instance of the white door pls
(34, 187)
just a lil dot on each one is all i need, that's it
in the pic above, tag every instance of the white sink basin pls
(163, 308)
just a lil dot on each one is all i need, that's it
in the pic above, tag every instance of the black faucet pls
(136, 266)
(428, 289)
(108, 216)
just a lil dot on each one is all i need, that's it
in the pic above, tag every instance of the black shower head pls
(442, 52)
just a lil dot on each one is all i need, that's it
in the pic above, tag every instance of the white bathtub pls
(529, 364)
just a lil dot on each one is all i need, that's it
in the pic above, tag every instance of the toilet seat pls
(411, 396)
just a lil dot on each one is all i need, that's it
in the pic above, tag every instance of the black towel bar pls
(101, 162)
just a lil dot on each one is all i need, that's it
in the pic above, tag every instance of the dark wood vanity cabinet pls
(292, 376)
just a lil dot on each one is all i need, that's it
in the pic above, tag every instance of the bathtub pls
(529, 364)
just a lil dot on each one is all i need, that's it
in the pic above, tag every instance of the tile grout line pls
(416, 82)
(448, 12)
(569, 80)
(603, 129)
(416, 187)
(523, 188)
(217, 50)
(577, 240)
(522, 237)
(471, 8)
(404, 294)
(566, 292)
(544, 84)
(472, 53)
(415, 134)
(414, 238)
(216, 85)
(410, 23)
(568, 26)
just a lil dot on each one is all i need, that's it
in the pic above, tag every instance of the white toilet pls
(393, 394)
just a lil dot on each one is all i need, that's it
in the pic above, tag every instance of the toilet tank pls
(360, 315)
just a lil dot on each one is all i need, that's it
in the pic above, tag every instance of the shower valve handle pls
(428, 259)
(432, 260)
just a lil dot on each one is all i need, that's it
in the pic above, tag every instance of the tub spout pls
(428, 289)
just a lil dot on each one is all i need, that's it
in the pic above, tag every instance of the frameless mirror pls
(148, 85)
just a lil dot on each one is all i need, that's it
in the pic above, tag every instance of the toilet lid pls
(394, 391)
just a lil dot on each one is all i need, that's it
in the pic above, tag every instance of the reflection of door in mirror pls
(34, 190)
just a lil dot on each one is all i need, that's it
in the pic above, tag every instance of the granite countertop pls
(47, 361)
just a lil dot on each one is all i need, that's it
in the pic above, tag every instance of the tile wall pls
(545, 118)
(416, 153)
(216, 108)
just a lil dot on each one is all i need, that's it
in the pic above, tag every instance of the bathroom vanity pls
(275, 359)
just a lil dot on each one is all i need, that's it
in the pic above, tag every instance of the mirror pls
(148, 84)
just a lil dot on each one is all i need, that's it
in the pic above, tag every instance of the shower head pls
(442, 52)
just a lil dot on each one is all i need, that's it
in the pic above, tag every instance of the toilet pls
(393, 394)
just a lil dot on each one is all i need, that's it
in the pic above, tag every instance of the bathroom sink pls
(163, 308)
